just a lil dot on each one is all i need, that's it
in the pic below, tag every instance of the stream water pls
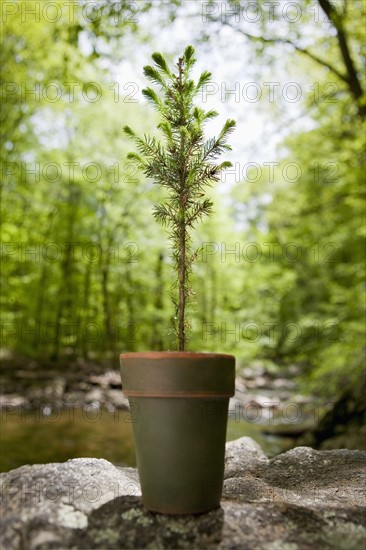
(55, 436)
(53, 413)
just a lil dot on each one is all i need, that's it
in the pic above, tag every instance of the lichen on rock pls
(299, 500)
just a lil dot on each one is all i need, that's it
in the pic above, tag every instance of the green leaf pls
(189, 87)
(154, 75)
(161, 63)
(135, 156)
(128, 131)
(225, 164)
(203, 79)
(198, 113)
(151, 96)
(166, 129)
(189, 56)
(228, 128)
(211, 114)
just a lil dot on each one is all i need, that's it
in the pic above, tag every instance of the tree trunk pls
(106, 308)
(85, 314)
(64, 300)
(182, 276)
(352, 78)
(132, 329)
(213, 295)
(40, 303)
(157, 342)
(65, 289)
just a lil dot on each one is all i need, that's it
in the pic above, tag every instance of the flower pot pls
(179, 404)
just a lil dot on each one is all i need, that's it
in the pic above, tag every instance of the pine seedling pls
(184, 163)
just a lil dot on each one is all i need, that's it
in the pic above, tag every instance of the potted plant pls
(180, 398)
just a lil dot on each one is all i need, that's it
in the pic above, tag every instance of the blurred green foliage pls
(86, 271)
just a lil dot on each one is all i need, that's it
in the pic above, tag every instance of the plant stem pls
(182, 267)
(182, 287)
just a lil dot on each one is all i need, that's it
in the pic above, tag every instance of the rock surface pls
(302, 499)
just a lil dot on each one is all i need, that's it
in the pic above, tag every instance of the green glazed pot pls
(179, 404)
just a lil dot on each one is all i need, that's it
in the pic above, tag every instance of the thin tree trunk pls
(132, 329)
(182, 260)
(64, 301)
(157, 339)
(213, 295)
(84, 342)
(43, 280)
(40, 303)
(353, 81)
(182, 274)
(204, 307)
(65, 294)
(106, 308)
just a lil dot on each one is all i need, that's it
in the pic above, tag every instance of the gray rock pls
(302, 499)
(95, 395)
(116, 398)
(10, 401)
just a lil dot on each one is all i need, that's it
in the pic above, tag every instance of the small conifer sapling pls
(184, 163)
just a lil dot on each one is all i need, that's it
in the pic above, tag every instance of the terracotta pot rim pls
(175, 355)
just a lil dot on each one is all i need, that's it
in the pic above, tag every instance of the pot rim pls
(175, 355)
